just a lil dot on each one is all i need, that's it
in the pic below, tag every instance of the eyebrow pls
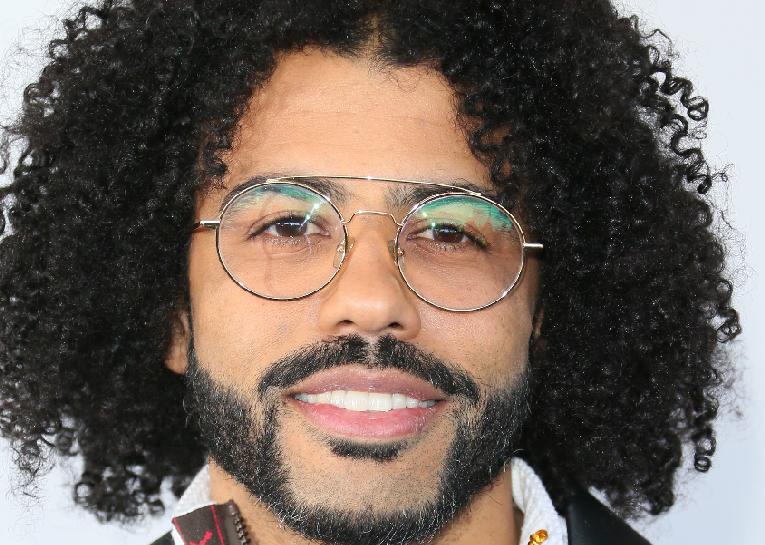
(400, 196)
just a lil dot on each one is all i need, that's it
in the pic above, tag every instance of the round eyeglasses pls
(284, 239)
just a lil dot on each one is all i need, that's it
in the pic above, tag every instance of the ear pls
(539, 315)
(176, 357)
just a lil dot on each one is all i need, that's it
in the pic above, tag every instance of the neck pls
(490, 518)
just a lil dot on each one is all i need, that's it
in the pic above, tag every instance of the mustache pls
(387, 352)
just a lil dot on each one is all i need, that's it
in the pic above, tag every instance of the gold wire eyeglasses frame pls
(345, 247)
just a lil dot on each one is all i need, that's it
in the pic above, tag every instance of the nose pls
(368, 295)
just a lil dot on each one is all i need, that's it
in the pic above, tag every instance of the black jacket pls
(588, 522)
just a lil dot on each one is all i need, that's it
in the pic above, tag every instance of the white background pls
(718, 44)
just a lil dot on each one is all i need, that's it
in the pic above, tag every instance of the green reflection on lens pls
(465, 209)
(259, 193)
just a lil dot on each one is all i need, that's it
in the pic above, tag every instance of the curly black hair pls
(577, 113)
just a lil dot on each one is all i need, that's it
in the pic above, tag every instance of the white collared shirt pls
(529, 495)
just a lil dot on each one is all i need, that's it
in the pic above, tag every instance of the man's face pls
(322, 114)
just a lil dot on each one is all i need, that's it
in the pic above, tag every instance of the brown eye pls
(290, 228)
(447, 234)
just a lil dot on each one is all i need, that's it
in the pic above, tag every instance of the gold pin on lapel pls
(540, 536)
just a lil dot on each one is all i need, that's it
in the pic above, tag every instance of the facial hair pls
(242, 438)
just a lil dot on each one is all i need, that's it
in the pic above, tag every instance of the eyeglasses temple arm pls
(533, 245)
(205, 224)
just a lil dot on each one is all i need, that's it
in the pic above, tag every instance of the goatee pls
(241, 434)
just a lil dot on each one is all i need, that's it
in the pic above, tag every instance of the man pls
(363, 272)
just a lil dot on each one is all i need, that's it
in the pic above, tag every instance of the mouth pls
(358, 402)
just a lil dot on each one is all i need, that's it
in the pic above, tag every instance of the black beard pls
(245, 443)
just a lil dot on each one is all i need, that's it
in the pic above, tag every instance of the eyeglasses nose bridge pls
(343, 248)
(372, 212)
(341, 252)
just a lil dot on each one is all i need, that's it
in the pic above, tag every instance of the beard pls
(242, 437)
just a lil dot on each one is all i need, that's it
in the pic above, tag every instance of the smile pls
(354, 401)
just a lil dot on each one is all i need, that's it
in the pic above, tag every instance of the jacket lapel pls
(590, 522)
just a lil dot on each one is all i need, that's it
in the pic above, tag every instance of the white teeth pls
(356, 401)
(380, 402)
(399, 401)
(337, 398)
(353, 400)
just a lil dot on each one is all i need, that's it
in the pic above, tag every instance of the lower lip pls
(367, 424)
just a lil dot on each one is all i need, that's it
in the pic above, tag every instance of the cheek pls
(210, 289)
(489, 344)
(235, 332)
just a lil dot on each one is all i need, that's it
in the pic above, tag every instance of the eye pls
(450, 234)
(288, 226)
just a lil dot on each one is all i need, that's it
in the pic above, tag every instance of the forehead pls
(323, 113)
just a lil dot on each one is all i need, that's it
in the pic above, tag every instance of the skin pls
(321, 113)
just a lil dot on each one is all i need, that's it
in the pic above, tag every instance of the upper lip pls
(355, 377)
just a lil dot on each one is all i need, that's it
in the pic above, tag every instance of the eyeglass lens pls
(283, 241)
